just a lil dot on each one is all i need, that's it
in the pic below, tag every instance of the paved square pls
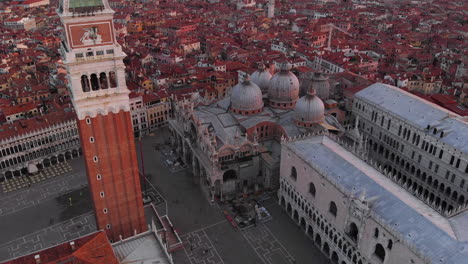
(266, 245)
(206, 234)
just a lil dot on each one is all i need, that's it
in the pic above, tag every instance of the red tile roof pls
(24, 126)
(91, 249)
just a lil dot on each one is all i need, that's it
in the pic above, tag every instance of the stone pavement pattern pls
(53, 235)
(279, 241)
(266, 245)
(199, 248)
(19, 200)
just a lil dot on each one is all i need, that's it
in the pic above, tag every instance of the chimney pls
(37, 258)
(72, 245)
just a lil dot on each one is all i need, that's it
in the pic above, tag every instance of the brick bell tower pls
(96, 74)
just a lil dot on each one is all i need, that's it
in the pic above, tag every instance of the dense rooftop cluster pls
(175, 48)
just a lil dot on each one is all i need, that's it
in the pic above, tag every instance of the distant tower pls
(271, 8)
(96, 74)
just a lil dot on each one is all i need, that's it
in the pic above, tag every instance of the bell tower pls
(96, 73)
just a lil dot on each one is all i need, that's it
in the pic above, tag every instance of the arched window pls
(353, 232)
(333, 210)
(103, 80)
(380, 252)
(312, 189)
(376, 233)
(94, 82)
(84, 83)
(293, 173)
(112, 79)
(390, 244)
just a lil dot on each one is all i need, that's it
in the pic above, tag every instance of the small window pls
(111, 51)
(353, 232)
(312, 189)
(105, 210)
(108, 226)
(99, 52)
(333, 210)
(95, 159)
(98, 177)
(101, 194)
(376, 233)
(91, 139)
(88, 120)
(293, 173)
(89, 54)
(390, 244)
(79, 55)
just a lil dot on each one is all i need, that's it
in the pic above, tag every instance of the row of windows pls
(24, 157)
(32, 143)
(424, 178)
(426, 146)
(321, 223)
(432, 165)
(91, 53)
(157, 114)
(312, 190)
(95, 83)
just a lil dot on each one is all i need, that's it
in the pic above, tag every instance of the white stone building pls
(139, 115)
(423, 145)
(41, 146)
(357, 215)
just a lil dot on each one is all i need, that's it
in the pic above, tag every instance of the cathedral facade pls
(233, 145)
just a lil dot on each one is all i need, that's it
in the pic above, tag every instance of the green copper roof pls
(85, 3)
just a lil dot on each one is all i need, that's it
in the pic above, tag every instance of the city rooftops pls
(439, 239)
(419, 113)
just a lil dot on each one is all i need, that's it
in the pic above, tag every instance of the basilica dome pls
(284, 88)
(246, 98)
(309, 110)
(319, 82)
(261, 77)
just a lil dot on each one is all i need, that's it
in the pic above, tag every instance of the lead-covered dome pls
(318, 81)
(246, 98)
(261, 77)
(284, 88)
(309, 110)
